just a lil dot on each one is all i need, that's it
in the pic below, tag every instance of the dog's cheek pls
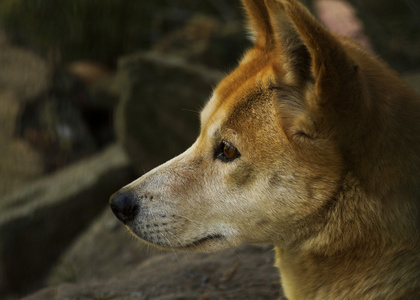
(242, 176)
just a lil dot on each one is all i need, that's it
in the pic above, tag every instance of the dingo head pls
(276, 138)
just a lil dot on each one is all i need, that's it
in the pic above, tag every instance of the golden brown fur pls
(327, 166)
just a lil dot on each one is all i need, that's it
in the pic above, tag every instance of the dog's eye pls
(227, 152)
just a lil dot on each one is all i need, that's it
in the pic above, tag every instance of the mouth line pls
(193, 244)
(204, 240)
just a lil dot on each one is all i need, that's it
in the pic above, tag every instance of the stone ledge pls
(39, 221)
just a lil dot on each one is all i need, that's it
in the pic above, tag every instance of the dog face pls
(251, 176)
(268, 158)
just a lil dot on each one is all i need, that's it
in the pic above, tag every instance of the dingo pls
(312, 144)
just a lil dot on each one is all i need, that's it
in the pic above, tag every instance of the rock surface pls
(23, 75)
(241, 273)
(207, 41)
(20, 163)
(104, 250)
(158, 114)
(39, 221)
(54, 122)
(22, 72)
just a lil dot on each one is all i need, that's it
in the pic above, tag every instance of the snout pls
(124, 206)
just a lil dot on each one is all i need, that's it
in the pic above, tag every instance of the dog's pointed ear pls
(273, 30)
(309, 51)
(259, 23)
(314, 52)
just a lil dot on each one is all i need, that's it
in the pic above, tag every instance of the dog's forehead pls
(256, 73)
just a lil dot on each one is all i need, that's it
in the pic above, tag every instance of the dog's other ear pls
(308, 51)
(335, 73)
(272, 30)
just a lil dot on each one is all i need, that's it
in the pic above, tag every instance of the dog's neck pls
(385, 153)
(305, 275)
(352, 245)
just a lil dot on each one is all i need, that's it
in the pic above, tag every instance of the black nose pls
(124, 206)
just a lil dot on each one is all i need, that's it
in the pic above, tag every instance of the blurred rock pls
(39, 221)
(54, 124)
(19, 162)
(98, 111)
(22, 72)
(51, 118)
(246, 272)
(99, 101)
(158, 114)
(103, 251)
(206, 40)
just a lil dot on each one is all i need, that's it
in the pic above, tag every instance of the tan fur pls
(328, 172)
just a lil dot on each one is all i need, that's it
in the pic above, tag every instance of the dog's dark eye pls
(227, 152)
